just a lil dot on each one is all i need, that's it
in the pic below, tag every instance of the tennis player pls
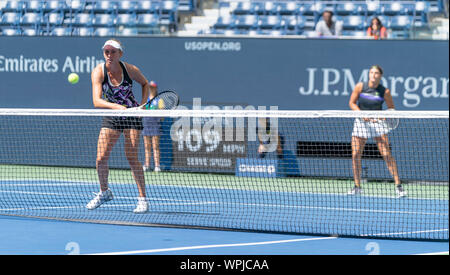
(370, 96)
(112, 83)
(152, 132)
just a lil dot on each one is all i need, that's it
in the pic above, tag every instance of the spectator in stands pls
(152, 132)
(376, 29)
(112, 89)
(328, 27)
(370, 96)
(270, 139)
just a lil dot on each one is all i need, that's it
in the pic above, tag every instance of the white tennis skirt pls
(369, 129)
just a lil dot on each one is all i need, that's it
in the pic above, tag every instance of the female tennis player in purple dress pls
(112, 84)
(370, 96)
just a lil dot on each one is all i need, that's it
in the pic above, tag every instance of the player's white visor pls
(113, 43)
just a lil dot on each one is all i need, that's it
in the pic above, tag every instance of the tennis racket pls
(389, 123)
(166, 100)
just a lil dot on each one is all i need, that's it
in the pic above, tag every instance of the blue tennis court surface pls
(297, 212)
(38, 236)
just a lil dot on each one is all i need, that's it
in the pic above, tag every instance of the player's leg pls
(357, 151)
(385, 151)
(156, 152)
(131, 153)
(148, 152)
(106, 141)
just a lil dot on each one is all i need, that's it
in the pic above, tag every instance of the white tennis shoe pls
(355, 191)
(99, 199)
(401, 193)
(142, 206)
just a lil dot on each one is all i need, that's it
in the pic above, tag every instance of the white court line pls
(434, 253)
(88, 183)
(211, 246)
(193, 202)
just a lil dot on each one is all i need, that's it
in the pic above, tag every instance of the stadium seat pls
(401, 22)
(35, 6)
(127, 32)
(224, 22)
(185, 5)
(126, 19)
(126, 6)
(104, 20)
(30, 31)
(148, 6)
(421, 7)
(293, 22)
(31, 18)
(269, 7)
(243, 7)
(55, 5)
(61, 31)
(12, 6)
(83, 19)
(83, 31)
(350, 8)
(11, 18)
(168, 6)
(269, 22)
(11, 31)
(285, 8)
(104, 6)
(372, 8)
(246, 21)
(393, 8)
(55, 18)
(353, 22)
(104, 32)
(147, 19)
(315, 8)
(76, 6)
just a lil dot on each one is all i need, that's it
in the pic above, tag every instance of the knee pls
(101, 160)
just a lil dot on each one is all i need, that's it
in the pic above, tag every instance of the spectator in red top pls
(376, 29)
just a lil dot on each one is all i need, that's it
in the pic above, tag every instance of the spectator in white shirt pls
(327, 27)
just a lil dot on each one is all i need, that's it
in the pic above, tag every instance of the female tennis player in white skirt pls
(370, 96)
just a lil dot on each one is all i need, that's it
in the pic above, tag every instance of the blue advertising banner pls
(297, 74)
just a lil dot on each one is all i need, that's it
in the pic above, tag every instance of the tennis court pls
(28, 236)
(50, 182)
(313, 206)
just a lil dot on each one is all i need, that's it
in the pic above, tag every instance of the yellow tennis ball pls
(73, 78)
(161, 104)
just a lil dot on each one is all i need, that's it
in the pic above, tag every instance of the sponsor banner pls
(293, 74)
(206, 149)
(261, 168)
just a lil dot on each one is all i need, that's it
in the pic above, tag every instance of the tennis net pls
(270, 171)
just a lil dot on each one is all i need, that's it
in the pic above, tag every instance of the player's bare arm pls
(354, 97)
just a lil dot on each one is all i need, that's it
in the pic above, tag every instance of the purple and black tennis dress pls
(370, 99)
(123, 95)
